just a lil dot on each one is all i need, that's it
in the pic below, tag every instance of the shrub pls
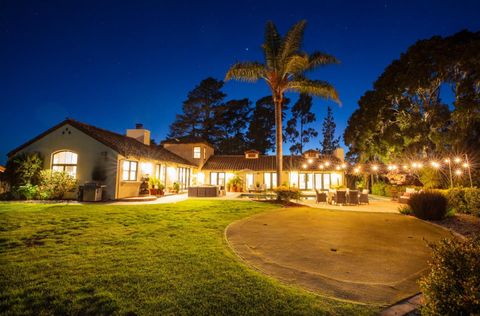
(286, 194)
(453, 285)
(176, 186)
(464, 200)
(428, 205)
(26, 192)
(235, 184)
(405, 210)
(53, 184)
(378, 188)
(24, 169)
(472, 198)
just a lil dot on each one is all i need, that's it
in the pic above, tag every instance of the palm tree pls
(284, 70)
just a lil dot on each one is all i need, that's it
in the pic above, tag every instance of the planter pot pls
(160, 193)
(153, 191)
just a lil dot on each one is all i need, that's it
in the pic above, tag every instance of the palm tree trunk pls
(278, 100)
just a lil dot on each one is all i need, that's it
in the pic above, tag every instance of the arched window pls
(65, 161)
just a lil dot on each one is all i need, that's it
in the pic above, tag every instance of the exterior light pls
(356, 170)
(414, 165)
(321, 166)
(344, 166)
(447, 160)
(310, 160)
(327, 163)
(420, 165)
(465, 165)
(457, 159)
(337, 167)
(405, 167)
(435, 164)
(304, 166)
(374, 167)
(458, 172)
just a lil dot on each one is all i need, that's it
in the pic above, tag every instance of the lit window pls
(217, 178)
(204, 153)
(197, 152)
(65, 161)
(270, 179)
(129, 170)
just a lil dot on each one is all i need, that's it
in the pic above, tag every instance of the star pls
(246, 49)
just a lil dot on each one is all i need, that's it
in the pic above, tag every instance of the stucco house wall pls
(91, 154)
(186, 151)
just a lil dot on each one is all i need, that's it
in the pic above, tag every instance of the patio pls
(377, 204)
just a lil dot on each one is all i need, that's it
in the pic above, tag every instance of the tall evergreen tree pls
(329, 142)
(261, 131)
(232, 123)
(297, 131)
(199, 112)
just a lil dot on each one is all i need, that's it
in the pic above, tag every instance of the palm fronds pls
(317, 59)
(317, 88)
(246, 71)
(292, 42)
(271, 45)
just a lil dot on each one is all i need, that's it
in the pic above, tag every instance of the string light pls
(304, 166)
(435, 164)
(327, 163)
(344, 166)
(457, 159)
(321, 166)
(337, 167)
(310, 160)
(374, 167)
(465, 165)
(458, 172)
(447, 160)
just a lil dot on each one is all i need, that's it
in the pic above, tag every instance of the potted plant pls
(161, 189)
(176, 187)
(151, 183)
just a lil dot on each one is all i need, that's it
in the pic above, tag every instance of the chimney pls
(339, 153)
(140, 134)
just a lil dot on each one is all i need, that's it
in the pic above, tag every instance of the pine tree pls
(232, 123)
(297, 131)
(199, 112)
(329, 143)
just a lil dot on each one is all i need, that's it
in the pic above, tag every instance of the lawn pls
(139, 260)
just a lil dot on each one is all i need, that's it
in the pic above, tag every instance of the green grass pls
(138, 260)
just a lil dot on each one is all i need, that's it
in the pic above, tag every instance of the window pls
(183, 177)
(160, 173)
(65, 161)
(305, 181)
(249, 180)
(270, 179)
(197, 152)
(129, 171)
(217, 178)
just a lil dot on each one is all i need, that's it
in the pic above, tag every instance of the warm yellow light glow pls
(435, 164)
(201, 178)
(447, 160)
(228, 176)
(293, 178)
(420, 165)
(304, 166)
(327, 163)
(337, 167)
(344, 166)
(310, 160)
(457, 159)
(171, 174)
(321, 166)
(405, 167)
(374, 167)
(147, 168)
(465, 165)
(356, 170)
(458, 172)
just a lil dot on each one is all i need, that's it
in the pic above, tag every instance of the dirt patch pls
(366, 257)
(464, 224)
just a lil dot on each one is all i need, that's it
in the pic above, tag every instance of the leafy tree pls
(261, 131)
(404, 115)
(199, 112)
(231, 120)
(329, 142)
(284, 70)
(297, 130)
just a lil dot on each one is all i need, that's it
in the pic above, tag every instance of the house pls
(2, 169)
(89, 153)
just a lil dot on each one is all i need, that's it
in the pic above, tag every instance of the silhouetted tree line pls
(233, 126)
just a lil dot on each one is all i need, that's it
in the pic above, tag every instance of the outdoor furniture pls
(363, 199)
(353, 197)
(321, 197)
(406, 195)
(203, 191)
(340, 197)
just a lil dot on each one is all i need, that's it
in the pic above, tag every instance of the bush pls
(453, 285)
(464, 200)
(428, 205)
(24, 169)
(286, 194)
(26, 192)
(378, 188)
(53, 184)
(405, 210)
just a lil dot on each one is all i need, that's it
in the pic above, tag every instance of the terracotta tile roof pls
(266, 163)
(186, 140)
(124, 145)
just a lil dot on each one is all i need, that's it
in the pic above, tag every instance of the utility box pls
(92, 192)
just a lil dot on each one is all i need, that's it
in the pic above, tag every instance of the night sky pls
(113, 64)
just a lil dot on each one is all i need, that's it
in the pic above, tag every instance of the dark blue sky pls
(116, 63)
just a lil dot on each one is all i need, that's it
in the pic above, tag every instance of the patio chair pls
(340, 197)
(363, 197)
(353, 197)
(321, 196)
